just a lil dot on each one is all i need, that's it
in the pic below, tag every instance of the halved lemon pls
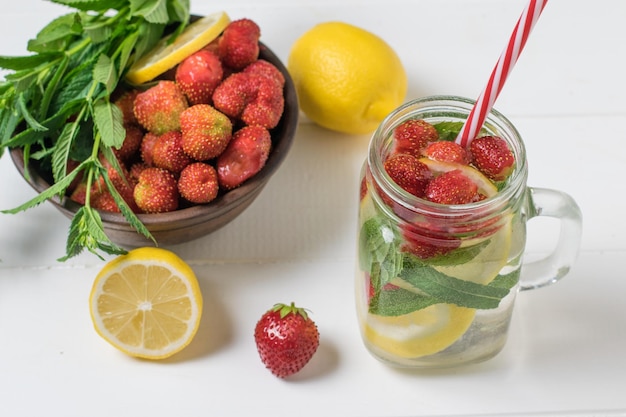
(166, 55)
(146, 303)
(420, 333)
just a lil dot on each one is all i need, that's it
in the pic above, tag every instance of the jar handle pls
(557, 204)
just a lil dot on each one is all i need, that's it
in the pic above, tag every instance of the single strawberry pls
(198, 76)
(408, 172)
(452, 187)
(286, 339)
(492, 156)
(198, 183)
(168, 153)
(131, 144)
(255, 97)
(206, 131)
(244, 157)
(413, 135)
(266, 69)
(156, 191)
(158, 108)
(239, 44)
(125, 102)
(147, 147)
(445, 151)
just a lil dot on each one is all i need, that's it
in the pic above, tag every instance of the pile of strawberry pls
(416, 139)
(201, 129)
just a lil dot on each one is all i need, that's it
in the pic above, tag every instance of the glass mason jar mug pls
(436, 284)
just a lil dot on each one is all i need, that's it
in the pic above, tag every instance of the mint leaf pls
(398, 301)
(448, 289)
(108, 119)
(379, 252)
(448, 131)
(506, 281)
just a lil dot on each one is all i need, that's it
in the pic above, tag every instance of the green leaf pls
(506, 281)
(428, 280)
(398, 301)
(57, 35)
(61, 152)
(92, 5)
(154, 11)
(54, 190)
(108, 119)
(19, 63)
(104, 72)
(379, 254)
(34, 124)
(448, 131)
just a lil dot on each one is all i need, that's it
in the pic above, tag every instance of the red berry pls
(408, 172)
(239, 44)
(492, 156)
(452, 187)
(286, 339)
(168, 153)
(446, 152)
(206, 132)
(156, 191)
(198, 183)
(158, 109)
(244, 157)
(198, 76)
(413, 135)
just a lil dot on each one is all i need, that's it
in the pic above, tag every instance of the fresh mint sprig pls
(55, 103)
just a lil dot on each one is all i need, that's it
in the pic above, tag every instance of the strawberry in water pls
(286, 339)
(198, 183)
(413, 135)
(408, 172)
(444, 151)
(239, 44)
(492, 156)
(244, 157)
(452, 187)
(198, 76)
(206, 131)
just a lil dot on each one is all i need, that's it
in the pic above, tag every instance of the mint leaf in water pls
(398, 301)
(448, 289)
(379, 252)
(448, 131)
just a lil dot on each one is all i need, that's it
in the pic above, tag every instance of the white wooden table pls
(566, 354)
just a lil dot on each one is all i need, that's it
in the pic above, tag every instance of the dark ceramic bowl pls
(193, 222)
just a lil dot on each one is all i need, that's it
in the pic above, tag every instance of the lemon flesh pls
(146, 303)
(347, 78)
(166, 55)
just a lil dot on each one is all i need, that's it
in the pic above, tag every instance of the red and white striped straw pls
(503, 67)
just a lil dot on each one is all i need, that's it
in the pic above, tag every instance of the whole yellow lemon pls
(347, 78)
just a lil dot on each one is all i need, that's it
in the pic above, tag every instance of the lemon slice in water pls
(166, 55)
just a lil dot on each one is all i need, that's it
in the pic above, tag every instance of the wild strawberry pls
(135, 170)
(198, 76)
(413, 135)
(408, 172)
(158, 108)
(492, 156)
(266, 69)
(147, 147)
(452, 187)
(446, 152)
(239, 44)
(253, 97)
(198, 183)
(206, 131)
(156, 191)
(131, 144)
(244, 157)
(286, 339)
(125, 103)
(168, 152)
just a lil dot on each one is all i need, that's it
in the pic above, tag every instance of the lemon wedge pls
(146, 303)
(166, 55)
